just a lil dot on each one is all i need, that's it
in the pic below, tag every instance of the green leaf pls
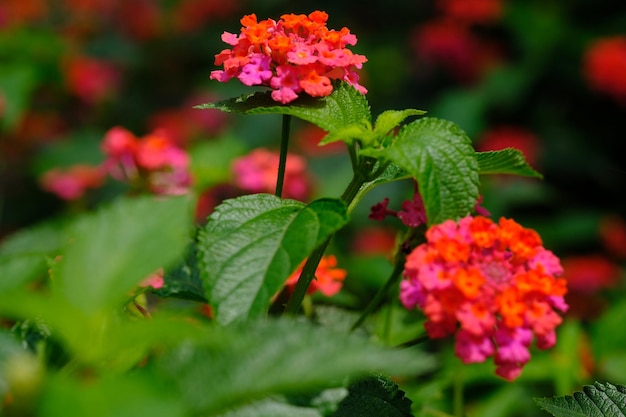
(272, 407)
(184, 281)
(343, 107)
(349, 134)
(248, 361)
(598, 400)
(16, 85)
(118, 396)
(439, 155)
(114, 249)
(505, 161)
(251, 244)
(390, 119)
(23, 256)
(374, 396)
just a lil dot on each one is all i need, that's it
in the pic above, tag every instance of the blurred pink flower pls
(154, 280)
(328, 278)
(91, 79)
(257, 173)
(71, 183)
(495, 280)
(502, 137)
(153, 161)
(294, 55)
(140, 19)
(604, 66)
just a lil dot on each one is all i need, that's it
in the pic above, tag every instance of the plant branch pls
(282, 163)
(310, 266)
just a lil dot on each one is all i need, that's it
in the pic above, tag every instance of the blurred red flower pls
(502, 137)
(472, 11)
(590, 273)
(19, 12)
(604, 66)
(91, 79)
(613, 235)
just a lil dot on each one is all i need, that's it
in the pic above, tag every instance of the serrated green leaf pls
(598, 400)
(390, 119)
(505, 161)
(343, 107)
(112, 250)
(374, 396)
(251, 360)
(439, 155)
(251, 244)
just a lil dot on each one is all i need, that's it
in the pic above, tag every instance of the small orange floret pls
(483, 231)
(468, 281)
(451, 250)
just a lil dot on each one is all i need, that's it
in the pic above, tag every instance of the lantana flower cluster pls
(492, 284)
(153, 161)
(294, 54)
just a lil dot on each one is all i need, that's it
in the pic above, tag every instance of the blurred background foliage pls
(546, 77)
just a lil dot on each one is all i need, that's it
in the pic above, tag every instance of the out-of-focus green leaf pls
(16, 85)
(374, 396)
(119, 396)
(598, 400)
(251, 244)
(439, 155)
(272, 407)
(343, 107)
(505, 161)
(210, 160)
(112, 250)
(249, 361)
(23, 255)
(184, 281)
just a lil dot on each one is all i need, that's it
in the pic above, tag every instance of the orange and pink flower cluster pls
(296, 54)
(492, 284)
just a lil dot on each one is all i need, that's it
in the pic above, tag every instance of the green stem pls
(282, 163)
(382, 293)
(310, 266)
(458, 392)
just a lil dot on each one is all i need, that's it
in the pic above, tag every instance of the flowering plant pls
(216, 281)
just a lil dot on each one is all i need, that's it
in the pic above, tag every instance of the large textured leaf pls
(114, 249)
(598, 400)
(344, 106)
(506, 161)
(374, 396)
(251, 244)
(248, 361)
(439, 155)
